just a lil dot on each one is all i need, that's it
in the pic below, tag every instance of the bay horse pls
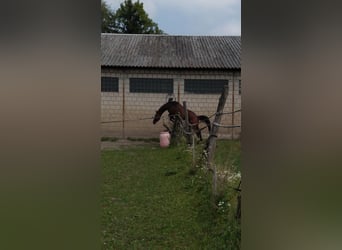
(175, 108)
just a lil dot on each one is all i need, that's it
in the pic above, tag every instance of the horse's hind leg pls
(198, 133)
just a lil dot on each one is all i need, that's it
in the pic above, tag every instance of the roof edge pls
(166, 35)
(170, 68)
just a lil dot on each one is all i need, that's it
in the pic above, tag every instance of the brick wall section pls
(135, 107)
(111, 110)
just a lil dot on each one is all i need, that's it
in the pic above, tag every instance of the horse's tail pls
(206, 120)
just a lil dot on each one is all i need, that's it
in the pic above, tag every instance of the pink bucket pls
(164, 139)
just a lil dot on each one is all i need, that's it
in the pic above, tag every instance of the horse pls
(175, 108)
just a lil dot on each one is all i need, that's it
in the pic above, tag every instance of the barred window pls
(150, 85)
(204, 86)
(109, 84)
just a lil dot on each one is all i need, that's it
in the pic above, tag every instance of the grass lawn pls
(151, 200)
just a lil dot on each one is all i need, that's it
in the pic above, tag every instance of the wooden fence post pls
(233, 108)
(211, 144)
(187, 125)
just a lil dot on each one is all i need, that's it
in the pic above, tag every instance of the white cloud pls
(114, 4)
(198, 5)
(205, 17)
(231, 28)
(149, 5)
(202, 17)
(185, 5)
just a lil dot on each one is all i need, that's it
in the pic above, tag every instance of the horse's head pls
(156, 117)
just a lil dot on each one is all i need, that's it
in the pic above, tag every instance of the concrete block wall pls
(136, 108)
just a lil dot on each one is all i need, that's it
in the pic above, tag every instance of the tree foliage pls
(107, 18)
(130, 18)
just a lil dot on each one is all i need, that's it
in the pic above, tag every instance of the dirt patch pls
(122, 144)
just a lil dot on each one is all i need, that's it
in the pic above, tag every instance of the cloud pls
(149, 5)
(114, 4)
(231, 28)
(202, 17)
(193, 17)
(198, 5)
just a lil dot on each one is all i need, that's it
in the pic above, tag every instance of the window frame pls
(105, 83)
(152, 85)
(239, 87)
(193, 86)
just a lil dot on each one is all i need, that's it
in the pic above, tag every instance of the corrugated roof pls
(167, 51)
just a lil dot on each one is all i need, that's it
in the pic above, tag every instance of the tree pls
(107, 18)
(131, 18)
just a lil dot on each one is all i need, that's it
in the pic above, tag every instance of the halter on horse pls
(175, 108)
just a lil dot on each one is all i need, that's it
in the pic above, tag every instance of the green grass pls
(151, 200)
(222, 158)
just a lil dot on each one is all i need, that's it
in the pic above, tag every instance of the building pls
(140, 72)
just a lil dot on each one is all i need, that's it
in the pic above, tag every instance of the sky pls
(193, 17)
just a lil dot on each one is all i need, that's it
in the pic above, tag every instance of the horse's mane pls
(167, 105)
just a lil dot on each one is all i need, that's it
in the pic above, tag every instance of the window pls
(204, 86)
(151, 85)
(109, 84)
(239, 87)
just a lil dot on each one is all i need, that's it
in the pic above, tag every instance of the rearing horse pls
(174, 108)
